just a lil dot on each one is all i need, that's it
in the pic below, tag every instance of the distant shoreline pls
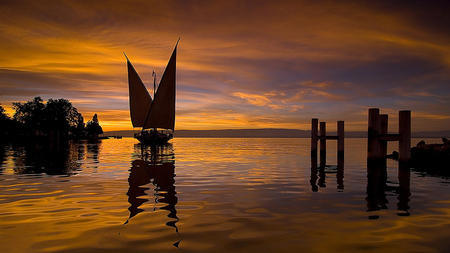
(269, 133)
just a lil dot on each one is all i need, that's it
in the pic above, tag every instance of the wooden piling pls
(321, 136)
(340, 141)
(404, 131)
(378, 136)
(383, 120)
(373, 147)
(323, 144)
(314, 131)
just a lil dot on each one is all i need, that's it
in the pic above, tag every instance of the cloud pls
(254, 99)
(239, 63)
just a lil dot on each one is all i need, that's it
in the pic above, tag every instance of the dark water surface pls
(215, 195)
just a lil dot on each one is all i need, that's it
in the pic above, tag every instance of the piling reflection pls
(404, 192)
(318, 173)
(377, 186)
(156, 166)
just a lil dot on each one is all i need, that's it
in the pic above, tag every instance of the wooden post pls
(404, 131)
(314, 131)
(373, 147)
(323, 144)
(340, 140)
(383, 130)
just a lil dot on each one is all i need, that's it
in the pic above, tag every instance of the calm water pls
(214, 195)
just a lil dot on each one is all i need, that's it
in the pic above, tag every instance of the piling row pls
(378, 136)
(322, 137)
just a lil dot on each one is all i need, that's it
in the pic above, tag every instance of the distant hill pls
(269, 133)
(245, 133)
(436, 134)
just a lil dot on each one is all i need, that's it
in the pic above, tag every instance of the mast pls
(154, 91)
(154, 84)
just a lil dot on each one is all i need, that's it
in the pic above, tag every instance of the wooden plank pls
(330, 137)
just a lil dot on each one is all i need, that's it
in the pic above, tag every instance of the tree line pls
(55, 119)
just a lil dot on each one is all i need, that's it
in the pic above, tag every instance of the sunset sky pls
(241, 64)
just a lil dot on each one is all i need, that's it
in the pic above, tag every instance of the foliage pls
(30, 114)
(60, 115)
(57, 116)
(3, 115)
(93, 127)
(5, 122)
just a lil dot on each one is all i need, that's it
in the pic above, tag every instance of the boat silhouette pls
(156, 116)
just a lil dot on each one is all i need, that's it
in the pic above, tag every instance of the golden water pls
(212, 195)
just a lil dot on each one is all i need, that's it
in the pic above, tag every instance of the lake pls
(215, 195)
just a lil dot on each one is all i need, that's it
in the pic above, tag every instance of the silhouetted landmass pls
(432, 158)
(435, 134)
(269, 133)
(54, 120)
(244, 133)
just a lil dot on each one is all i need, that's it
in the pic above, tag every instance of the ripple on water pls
(223, 195)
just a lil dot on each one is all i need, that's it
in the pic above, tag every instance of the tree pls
(56, 116)
(3, 115)
(93, 126)
(5, 122)
(8, 126)
(61, 116)
(80, 127)
(30, 114)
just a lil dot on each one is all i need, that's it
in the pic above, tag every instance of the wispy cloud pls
(240, 64)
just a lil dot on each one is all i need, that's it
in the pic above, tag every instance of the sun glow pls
(277, 65)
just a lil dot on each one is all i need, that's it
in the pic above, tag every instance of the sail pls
(140, 100)
(162, 110)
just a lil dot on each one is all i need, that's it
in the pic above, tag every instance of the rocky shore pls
(434, 158)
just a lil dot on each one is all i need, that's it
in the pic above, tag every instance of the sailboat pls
(155, 115)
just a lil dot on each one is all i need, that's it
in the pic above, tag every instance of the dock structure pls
(378, 136)
(322, 137)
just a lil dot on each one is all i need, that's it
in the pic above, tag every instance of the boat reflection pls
(156, 166)
(378, 185)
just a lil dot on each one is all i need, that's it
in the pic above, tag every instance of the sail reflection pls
(156, 166)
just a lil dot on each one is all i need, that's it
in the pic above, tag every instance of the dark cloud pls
(240, 63)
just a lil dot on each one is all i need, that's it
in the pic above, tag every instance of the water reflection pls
(51, 158)
(318, 174)
(378, 185)
(2, 155)
(156, 166)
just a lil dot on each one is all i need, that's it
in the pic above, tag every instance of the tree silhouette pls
(30, 114)
(5, 122)
(61, 116)
(93, 126)
(57, 116)
(3, 115)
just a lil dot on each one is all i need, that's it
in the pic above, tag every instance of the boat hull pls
(154, 136)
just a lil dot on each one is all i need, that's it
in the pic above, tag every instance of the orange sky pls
(241, 64)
